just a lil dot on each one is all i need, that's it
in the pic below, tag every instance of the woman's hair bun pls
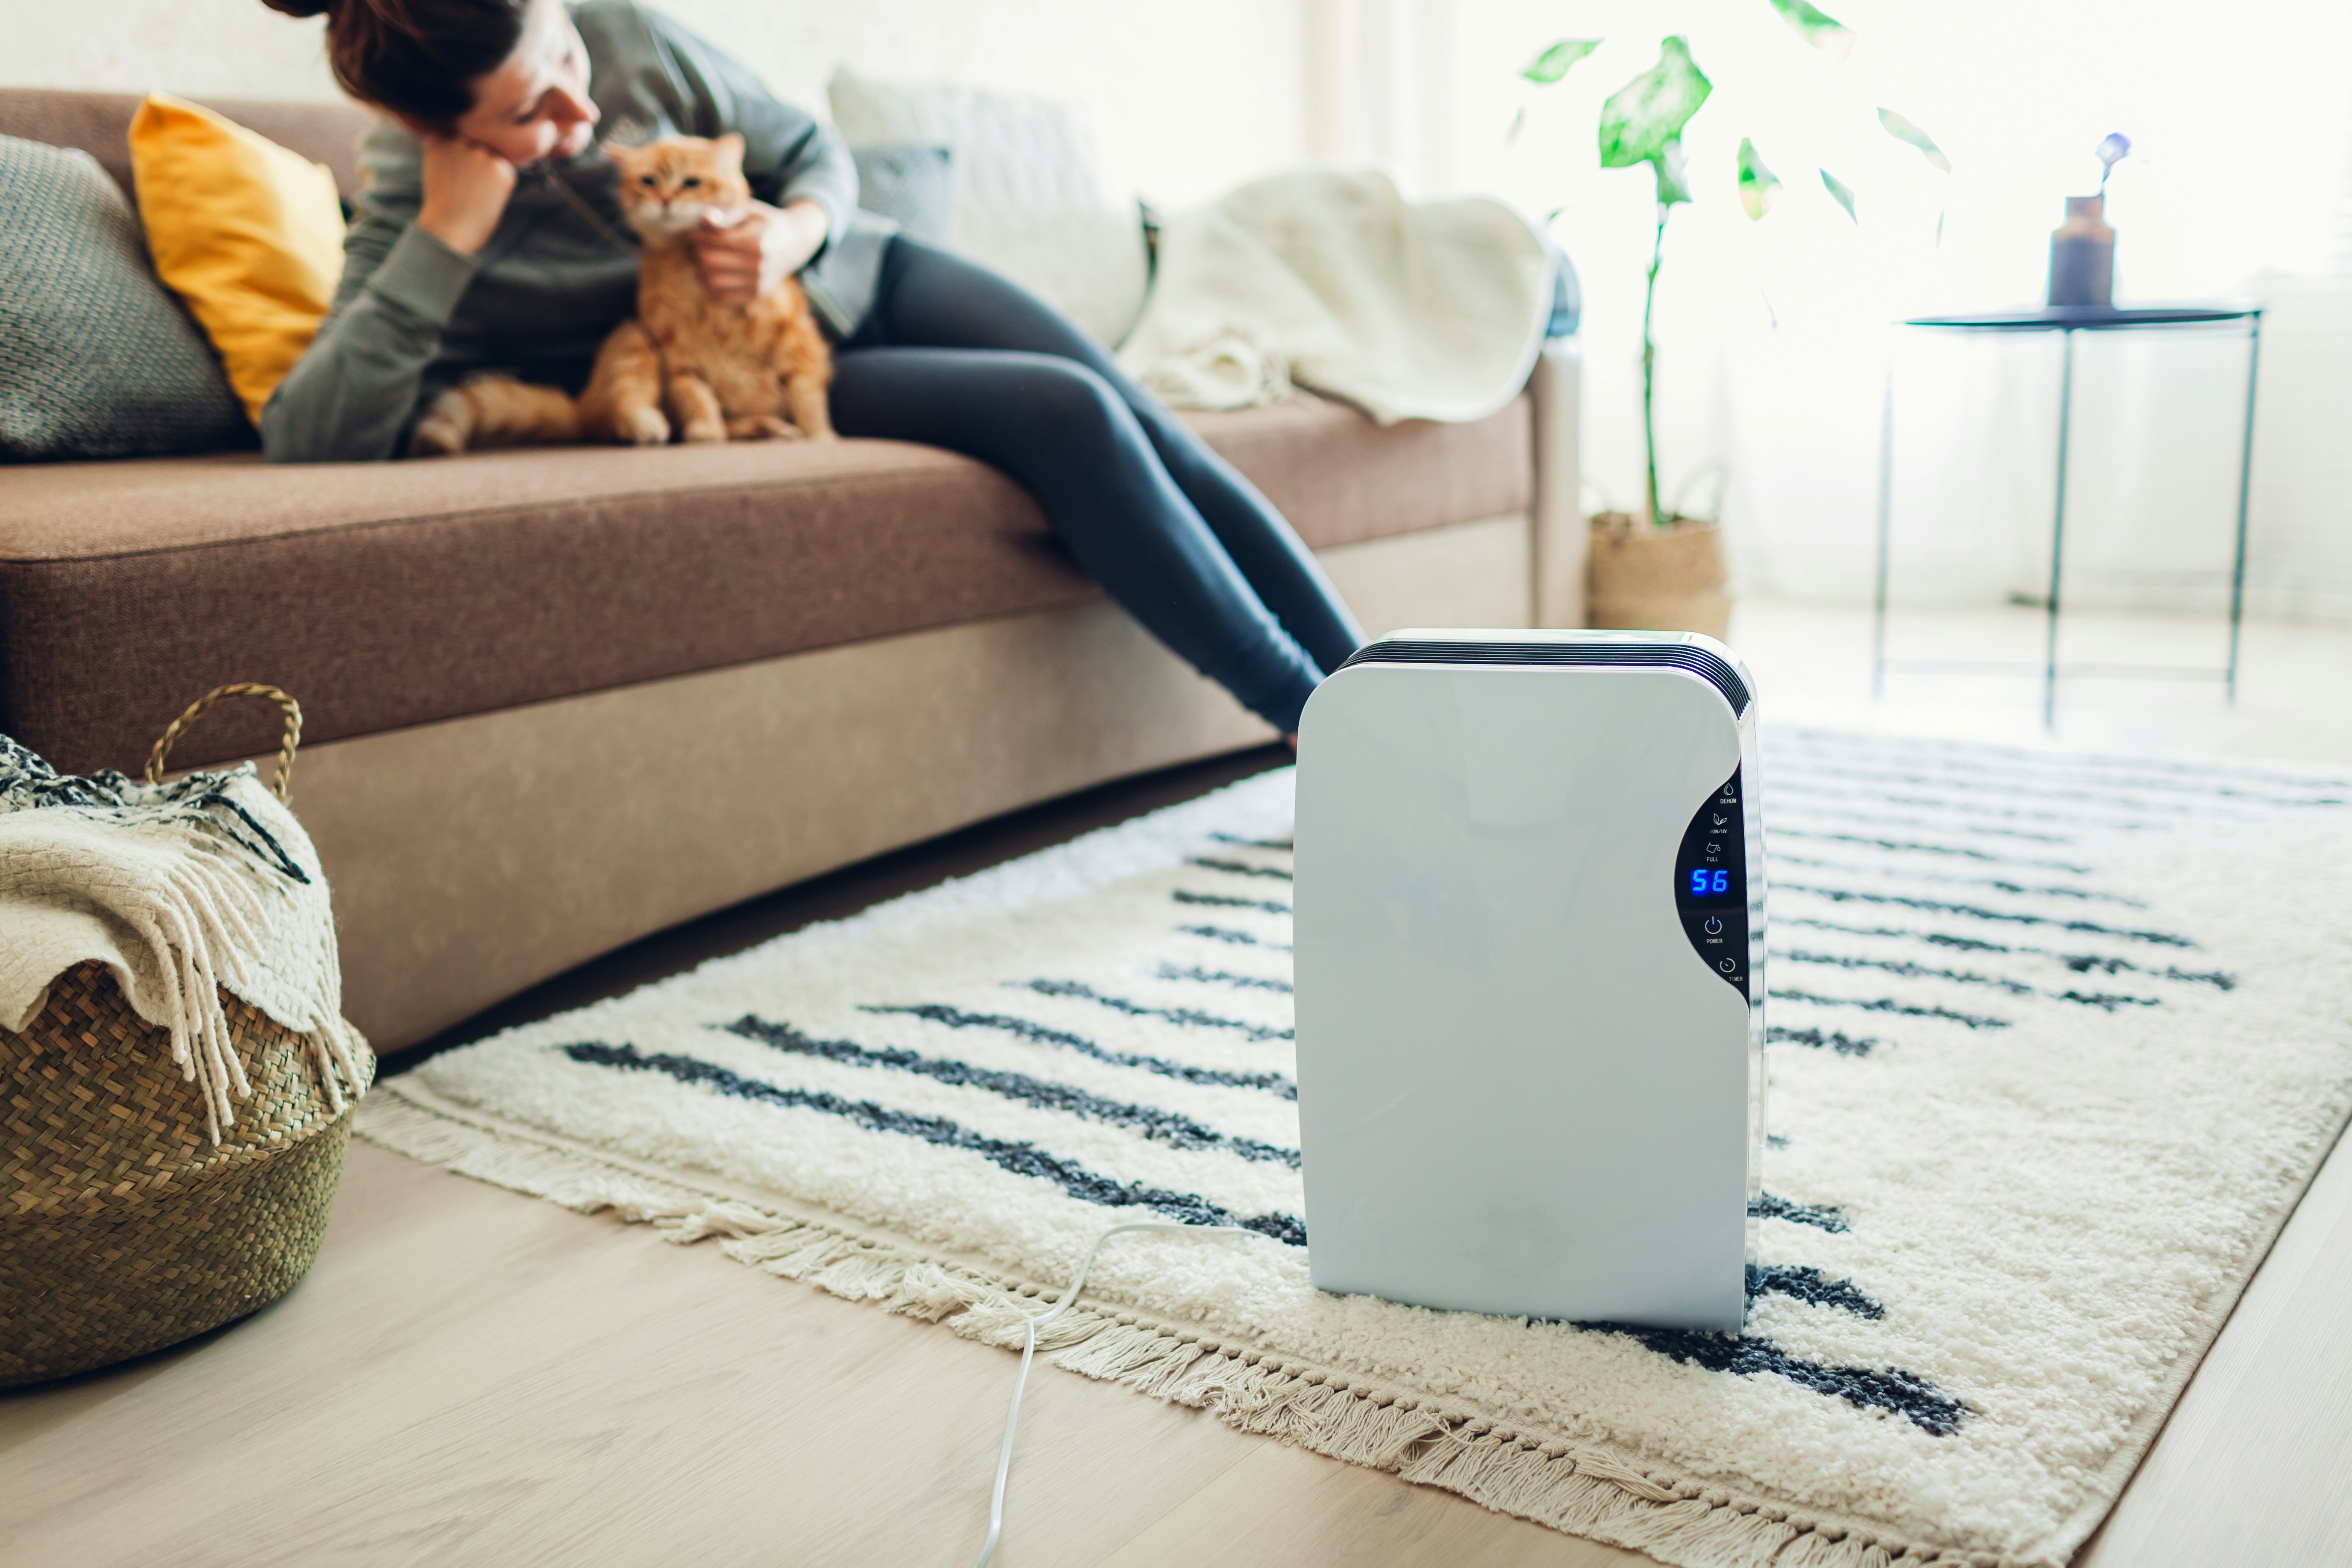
(416, 59)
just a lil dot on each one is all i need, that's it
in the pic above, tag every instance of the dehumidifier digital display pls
(1711, 883)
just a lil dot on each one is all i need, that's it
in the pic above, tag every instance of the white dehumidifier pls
(1529, 970)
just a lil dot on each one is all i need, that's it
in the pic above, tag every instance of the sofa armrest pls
(1557, 389)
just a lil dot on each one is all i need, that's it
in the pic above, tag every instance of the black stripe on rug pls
(1161, 1126)
(1238, 868)
(1238, 938)
(2080, 962)
(1908, 1394)
(1961, 810)
(1907, 969)
(2106, 1001)
(1223, 901)
(1020, 1159)
(1889, 1005)
(1937, 907)
(1912, 847)
(1812, 1287)
(1191, 1017)
(1998, 884)
(1235, 838)
(1821, 1217)
(1225, 977)
(1836, 1040)
(1847, 815)
(1039, 1033)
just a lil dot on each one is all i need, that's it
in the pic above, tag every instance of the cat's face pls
(668, 187)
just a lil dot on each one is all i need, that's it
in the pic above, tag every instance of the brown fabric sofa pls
(557, 700)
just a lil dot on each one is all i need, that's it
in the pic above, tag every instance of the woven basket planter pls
(1670, 579)
(124, 1227)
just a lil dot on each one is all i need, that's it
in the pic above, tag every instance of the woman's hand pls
(744, 258)
(466, 190)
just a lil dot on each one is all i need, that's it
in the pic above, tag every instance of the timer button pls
(1726, 964)
(1713, 926)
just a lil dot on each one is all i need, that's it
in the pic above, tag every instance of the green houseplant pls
(1664, 571)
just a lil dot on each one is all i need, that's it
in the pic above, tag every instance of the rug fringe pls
(1549, 1482)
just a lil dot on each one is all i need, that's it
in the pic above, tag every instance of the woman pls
(489, 236)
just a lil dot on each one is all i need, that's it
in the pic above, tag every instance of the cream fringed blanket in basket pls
(182, 889)
(176, 1078)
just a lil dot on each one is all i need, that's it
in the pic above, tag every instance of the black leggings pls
(955, 356)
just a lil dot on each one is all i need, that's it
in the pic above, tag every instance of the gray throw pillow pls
(911, 183)
(97, 358)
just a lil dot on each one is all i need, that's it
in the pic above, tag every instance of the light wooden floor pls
(469, 1376)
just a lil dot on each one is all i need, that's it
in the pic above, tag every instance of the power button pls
(1713, 926)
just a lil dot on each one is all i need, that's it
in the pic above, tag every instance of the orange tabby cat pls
(712, 372)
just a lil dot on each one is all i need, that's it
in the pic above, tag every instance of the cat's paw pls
(645, 428)
(760, 427)
(703, 432)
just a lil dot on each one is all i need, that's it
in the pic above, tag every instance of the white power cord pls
(1029, 1349)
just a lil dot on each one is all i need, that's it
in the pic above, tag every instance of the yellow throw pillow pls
(251, 235)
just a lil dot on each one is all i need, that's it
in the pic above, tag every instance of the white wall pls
(1188, 98)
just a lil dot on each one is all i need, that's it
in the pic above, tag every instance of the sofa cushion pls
(390, 595)
(913, 184)
(251, 235)
(97, 359)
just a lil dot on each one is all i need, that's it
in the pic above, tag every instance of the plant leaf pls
(1841, 192)
(1822, 32)
(1552, 64)
(1642, 120)
(1672, 186)
(1757, 185)
(1902, 130)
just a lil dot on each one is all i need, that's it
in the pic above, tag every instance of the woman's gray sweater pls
(412, 317)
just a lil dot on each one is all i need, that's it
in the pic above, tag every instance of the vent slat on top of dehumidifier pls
(1710, 667)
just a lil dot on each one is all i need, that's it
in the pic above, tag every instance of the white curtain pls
(1773, 337)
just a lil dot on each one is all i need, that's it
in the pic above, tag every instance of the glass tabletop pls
(2088, 318)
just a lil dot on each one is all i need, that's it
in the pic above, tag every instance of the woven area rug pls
(2056, 1044)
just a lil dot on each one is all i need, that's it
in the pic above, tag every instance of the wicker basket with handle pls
(124, 1227)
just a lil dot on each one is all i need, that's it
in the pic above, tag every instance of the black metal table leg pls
(2058, 532)
(2245, 479)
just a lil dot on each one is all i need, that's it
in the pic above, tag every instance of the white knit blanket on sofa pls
(1329, 280)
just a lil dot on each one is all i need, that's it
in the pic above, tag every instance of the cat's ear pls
(730, 147)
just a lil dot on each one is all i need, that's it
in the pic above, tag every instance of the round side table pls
(2066, 321)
